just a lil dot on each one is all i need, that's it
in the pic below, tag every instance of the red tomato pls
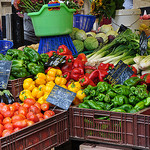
(13, 108)
(16, 129)
(7, 132)
(38, 105)
(16, 112)
(34, 109)
(8, 114)
(4, 109)
(49, 112)
(33, 118)
(46, 116)
(29, 122)
(1, 129)
(30, 101)
(9, 126)
(40, 119)
(17, 105)
(45, 106)
(1, 106)
(26, 105)
(30, 114)
(1, 116)
(23, 110)
(1, 121)
(40, 115)
(17, 118)
(6, 120)
(20, 124)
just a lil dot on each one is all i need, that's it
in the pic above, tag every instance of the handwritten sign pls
(61, 97)
(119, 73)
(122, 28)
(5, 68)
(143, 43)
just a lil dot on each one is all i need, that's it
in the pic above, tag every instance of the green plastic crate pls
(54, 22)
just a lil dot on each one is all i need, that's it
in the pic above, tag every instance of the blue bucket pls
(83, 22)
(5, 45)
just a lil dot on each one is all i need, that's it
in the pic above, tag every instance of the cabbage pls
(91, 43)
(78, 45)
(102, 35)
(106, 28)
(72, 34)
(90, 34)
(80, 35)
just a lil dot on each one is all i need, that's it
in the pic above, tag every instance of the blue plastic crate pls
(84, 22)
(52, 43)
(5, 45)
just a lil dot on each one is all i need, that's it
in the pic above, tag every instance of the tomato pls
(38, 105)
(17, 118)
(34, 109)
(30, 101)
(33, 117)
(1, 121)
(23, 110)
(30, 114)
(1, 129)
(16, 129)
(29, 122)
(17, 105)
(46, 116)
(40, 115)
(7, 132)
(4, 109)
(8, 114)
(6, 120)
(26, 105)
(1, 106)
(49, 112)
(1, 116)
(45, 107)
(9, 126)
(13, 108)
(20, 124)
(40, 119)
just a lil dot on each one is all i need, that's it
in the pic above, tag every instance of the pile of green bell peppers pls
(25, 63)
(118, 98)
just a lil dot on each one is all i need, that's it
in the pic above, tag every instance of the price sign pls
(61, 97)
(122, 28)
(119, 73)
(143, 43)
(5, 68)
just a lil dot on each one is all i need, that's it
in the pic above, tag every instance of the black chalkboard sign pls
(5, 68)
(122, 28)
(143, 43)
(119, 73)
(61, 97)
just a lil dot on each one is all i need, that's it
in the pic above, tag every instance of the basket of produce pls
(52, 20)
(4, 46)
(84, 22)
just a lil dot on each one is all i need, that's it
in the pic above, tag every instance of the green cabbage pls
(80, 35)
(78, 45)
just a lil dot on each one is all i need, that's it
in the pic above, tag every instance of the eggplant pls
(8, 97)
(2, 97)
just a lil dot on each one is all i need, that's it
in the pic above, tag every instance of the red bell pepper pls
(89, 69)
(98, 75)
(66, 75)
(82, 57)
(69, 58)
(78, 63)
(67, 67)
(134, 75)
(50, 53)
(63, 50)
(133, 69)
(85, 81)
(69, 82)
(106, 67)
(146, 78)
(77, 73)
(50, 68)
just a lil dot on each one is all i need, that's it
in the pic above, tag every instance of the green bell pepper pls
(126, 107)
(107, 98)
(24, 58)
(93, 93)
(121, 89)
(108, 106)
(7, 58)
(11, 77)
(14, 53)
(119, 100)
(35, 69)
(132, 81)
(133, 100)
(133, 110)
(33, 55)
(18, 72)
(17, 63)
(102, 87)
(100, 97)
(88, 89)
(92, 104)
(1, 56)
(82, 105)
(44, 57)
(147, 101)
(101, 104)
(87, 97)
(118, 110)
(111, 93)
(140, 105)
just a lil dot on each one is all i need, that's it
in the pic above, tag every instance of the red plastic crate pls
(43, 135)
(119, 129)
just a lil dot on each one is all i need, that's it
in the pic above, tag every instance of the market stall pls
(77, 83)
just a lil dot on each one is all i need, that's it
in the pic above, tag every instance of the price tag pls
(5, 68)
(143, 43)
(61, 97)
(119, 73)
(122, 28)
